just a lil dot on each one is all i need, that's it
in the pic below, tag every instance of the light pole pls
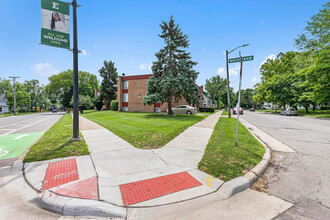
(228, 94)
(14, 82)
(75, 136)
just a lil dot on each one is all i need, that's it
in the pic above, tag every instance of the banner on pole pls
(55, 23)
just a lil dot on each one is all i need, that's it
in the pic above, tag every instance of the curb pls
(240, 183)
(69, 206)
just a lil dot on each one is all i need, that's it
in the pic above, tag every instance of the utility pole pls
(14, 82)
(75, 51)
(239, 97)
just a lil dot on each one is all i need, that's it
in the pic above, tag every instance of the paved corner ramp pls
(131, 176)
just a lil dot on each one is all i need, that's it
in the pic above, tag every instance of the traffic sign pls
(240, 59)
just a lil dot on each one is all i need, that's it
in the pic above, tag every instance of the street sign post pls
(240, 59)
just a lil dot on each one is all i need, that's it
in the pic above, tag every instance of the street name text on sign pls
(55, 28)
(240, 59)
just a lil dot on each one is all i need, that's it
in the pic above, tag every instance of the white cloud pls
(271, 57)
(95, 47)
(254, 79)
(143, 66)
(84, 53)
(44, 69)
(221, 71)
(131, 60)
(232, 71)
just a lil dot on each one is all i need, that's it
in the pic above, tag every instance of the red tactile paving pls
(84, 189)
(61, 172)
(152, 188)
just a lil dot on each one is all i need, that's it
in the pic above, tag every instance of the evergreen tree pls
(174, 76)
(109, 82)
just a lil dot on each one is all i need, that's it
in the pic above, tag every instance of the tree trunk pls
(314, 107)
(169, 110)
(306, 109)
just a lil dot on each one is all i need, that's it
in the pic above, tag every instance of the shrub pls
(98, 102)
(114, 105)
(206, 109)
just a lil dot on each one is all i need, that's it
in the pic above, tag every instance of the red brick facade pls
(132, 89)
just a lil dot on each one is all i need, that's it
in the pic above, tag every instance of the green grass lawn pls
(222, 159)
(143, 130)
(224, 112)
(55, 143)
(316, 113)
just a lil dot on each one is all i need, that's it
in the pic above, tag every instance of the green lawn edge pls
(143, 130)
(222, 159)
(55, 143)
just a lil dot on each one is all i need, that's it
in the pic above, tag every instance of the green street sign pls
(240, 59)
(55, 27)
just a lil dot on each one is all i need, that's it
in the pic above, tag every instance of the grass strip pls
(222, 159)
(143, 130)
(55, 143)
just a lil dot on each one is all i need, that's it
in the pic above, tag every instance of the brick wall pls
(137, 89)
(120, 93)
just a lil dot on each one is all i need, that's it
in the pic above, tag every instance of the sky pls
(126, 32)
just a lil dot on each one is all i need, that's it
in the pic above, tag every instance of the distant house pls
(3, 104)
(207, 102)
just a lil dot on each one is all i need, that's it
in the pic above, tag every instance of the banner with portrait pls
(55, 23)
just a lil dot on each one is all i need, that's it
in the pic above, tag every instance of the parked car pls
(240, 111)
(252, 110)
(185, 109)
(55, 110)
(289, 111)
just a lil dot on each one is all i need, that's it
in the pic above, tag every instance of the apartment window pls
(0, 109)
(125, 97)
(125, 84)
(125, 109)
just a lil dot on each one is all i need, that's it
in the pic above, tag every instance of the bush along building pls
(132, 89)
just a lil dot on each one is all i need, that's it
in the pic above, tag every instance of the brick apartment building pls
(132, 89)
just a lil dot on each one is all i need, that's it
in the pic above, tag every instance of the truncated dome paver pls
(152, 188)
(83, 189)
(61, 172)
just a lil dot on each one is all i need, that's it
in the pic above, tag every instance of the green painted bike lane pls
(14, 145)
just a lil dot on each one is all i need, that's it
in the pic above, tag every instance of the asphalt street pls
(302, 177)
(18, 133)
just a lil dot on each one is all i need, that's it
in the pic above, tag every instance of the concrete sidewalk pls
(95, 185)
(117, 162)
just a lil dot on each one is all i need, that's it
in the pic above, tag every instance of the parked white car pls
(185, 109)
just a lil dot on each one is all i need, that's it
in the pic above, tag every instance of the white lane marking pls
(3, 153)
(17, 123)
(19, 137)
(28, 125)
